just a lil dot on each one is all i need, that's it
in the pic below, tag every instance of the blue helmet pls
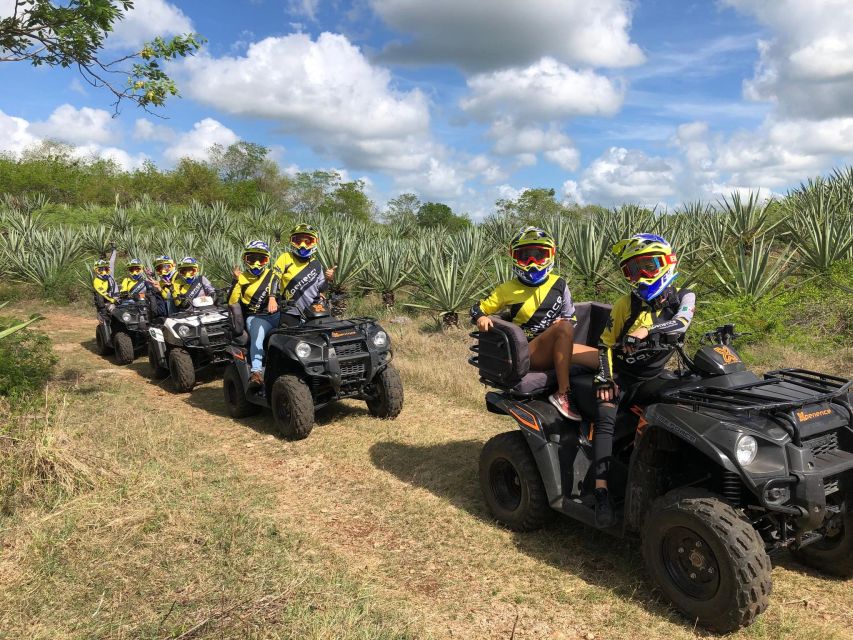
(648, 263)
(533, 251)
(256, 256)
(189, 269)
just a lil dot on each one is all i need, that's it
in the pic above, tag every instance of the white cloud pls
(491, 34)
(307, 8)
(148, 19)
(545, 90)
(78, 126)
(324, 91)
(806, 68)
(524, 142)
(15, 135)
(146, 130)
(622, 175)
(196, 142)
(122, 158)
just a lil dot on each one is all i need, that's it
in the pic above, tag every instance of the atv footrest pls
(585, 513)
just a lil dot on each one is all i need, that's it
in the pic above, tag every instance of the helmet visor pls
(300, 239)
(165, 267)
(252, 258)
(134, 270)
(646, 266)
(102, 269)
(189, 272)
(532, 254)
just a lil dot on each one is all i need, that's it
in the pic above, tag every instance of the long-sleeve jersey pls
(252, 292)
(631, 313)
(133, 287)
(184, 293)
(106, 289)
(533, 308)
(300, 282)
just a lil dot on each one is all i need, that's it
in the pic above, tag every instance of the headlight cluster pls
(125, 317)
(303, 350)
(380, 339)
(184, 330)
(745, 450)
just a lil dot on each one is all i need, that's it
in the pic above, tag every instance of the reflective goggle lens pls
(532, 255)
(102, 269)
(134, 269)
(303, 238)
(188, 273)
(163, 268)
(645, 266)
(252, 258)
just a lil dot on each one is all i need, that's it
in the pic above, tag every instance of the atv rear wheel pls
(834, 554)
(706, 559)
(292, 407)
(101, 343)
(235, 395)
(388, 401)
(511, 484)
(157, 372)
(182, 370)
(124, 347)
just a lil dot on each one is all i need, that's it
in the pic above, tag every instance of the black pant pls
(605, 425)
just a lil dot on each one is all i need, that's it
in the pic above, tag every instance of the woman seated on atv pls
(189, 284)
(106, 289)
(136, 285)
(653, 307)
(299, 278)
(164, 269)
(541, 304)
(252, 289)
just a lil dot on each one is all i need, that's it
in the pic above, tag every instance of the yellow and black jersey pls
(132, 288)
(252, 292)
(532, 307)
(630, 313)
(183, 293)
(106, 291)
(300, 282)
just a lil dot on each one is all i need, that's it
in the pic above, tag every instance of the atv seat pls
(240, 336)
(503, 358)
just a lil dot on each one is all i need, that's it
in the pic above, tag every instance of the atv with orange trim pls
(713, 467)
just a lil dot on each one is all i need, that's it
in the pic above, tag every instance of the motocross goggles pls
(252, 258)
(533, 254)
(165, 267)
(648, 266)
(134, 270)
(189, 272)
(102, 270)
(303, 240)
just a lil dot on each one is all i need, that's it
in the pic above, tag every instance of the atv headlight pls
(380, 339)
(125, 317)
(303, 350)
(184, 330)
(745, 450)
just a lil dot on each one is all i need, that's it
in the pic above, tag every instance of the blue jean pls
(258, 326)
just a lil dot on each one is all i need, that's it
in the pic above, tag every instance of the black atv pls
(188, 341)
(123, 330)
(309, 366)
(713, 467)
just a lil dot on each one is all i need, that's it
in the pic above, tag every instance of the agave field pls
(742, 247)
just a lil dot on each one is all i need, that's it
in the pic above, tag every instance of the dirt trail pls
(400, 503)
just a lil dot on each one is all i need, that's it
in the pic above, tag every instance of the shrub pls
(26, 360)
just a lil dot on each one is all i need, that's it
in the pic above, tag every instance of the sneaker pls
(563, 402)
(256, 379)
(604, 516)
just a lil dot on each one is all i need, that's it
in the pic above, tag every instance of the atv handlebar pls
(722, 335)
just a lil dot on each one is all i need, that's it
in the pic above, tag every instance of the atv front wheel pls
(124, 347)
(292, 407)
(157, 372)
(706, 559)
(182, 370)
(833, 554)
(235, 396)
(101, 343)
(511, 484)
(388, 399)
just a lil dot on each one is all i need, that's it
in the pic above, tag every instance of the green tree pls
(72, 33)
(531, 204)
(239, 161)
(403, 209)
(437, 214)
(349, 200)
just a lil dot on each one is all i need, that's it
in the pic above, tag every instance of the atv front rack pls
(753, 397)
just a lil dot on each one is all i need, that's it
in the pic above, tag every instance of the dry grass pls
(216, 522)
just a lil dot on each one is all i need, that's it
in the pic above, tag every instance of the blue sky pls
(467, 101)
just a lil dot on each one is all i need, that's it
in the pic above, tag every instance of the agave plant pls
(387, 270)
(753, 274)
(17, 327)
(447, 285)
(819, 227)
(23, 221)
(121, 222)
(746, 220)
(219, 257)
(587, 253)
(347, 255)
(95, 239)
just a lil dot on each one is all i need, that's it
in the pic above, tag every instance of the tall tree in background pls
(437, 214)
(72, 33)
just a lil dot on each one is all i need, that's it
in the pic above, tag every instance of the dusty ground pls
(393, 506)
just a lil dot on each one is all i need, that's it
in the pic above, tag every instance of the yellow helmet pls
(532, 250)
(648, 264)
(304, 240)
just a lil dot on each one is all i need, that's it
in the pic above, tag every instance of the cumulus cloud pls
(78, 126)
(15, 134)
(148, 19)
(325, 91)
(545, 90)
(806, 68)
(525, 142)
(480, 35)
(626, 175)
(196, 142)
(146, 130)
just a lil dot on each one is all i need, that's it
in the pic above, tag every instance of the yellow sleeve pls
(494, 303)
(236, 290)
(281, 265)
(618, 316)
(126, 284)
